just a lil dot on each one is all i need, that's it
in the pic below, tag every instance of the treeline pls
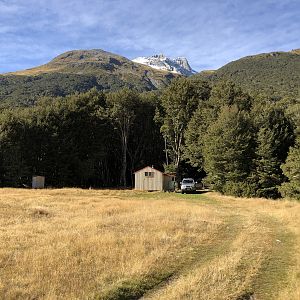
(79, 140)
(245, 146)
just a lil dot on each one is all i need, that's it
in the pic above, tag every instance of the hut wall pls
(149, 183)
(38, 182)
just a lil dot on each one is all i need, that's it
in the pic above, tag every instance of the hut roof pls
(148, 167)
(165, 174)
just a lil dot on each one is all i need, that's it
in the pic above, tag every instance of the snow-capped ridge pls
(179, 65)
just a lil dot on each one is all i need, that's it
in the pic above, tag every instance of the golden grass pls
(36, 71)
(85, 244)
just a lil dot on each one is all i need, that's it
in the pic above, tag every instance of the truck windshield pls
(187, 181)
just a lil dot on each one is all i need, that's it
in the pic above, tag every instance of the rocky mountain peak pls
(178, 65)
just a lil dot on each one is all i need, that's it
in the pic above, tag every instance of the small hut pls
(151, 179)
(38, 182)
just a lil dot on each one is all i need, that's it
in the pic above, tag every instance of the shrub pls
(239, 189)
(290, 190)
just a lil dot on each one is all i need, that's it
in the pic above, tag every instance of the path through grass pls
(77, 244)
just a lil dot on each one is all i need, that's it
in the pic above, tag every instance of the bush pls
(239, 189)
(213, 183)
(290, 190)
(268, 192)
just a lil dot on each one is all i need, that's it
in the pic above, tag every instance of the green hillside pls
(79, 71)
(276, 73)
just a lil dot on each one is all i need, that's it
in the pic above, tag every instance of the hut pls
(151, 179)
(38, 182)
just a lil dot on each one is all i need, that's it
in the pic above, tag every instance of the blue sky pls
(209, 33)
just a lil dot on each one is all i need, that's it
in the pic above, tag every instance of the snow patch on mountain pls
(178, 65)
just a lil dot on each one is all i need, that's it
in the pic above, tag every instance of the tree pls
(145, 145)
(274, 138)
(13, 135)
(291, 169)
(228, 148)
(195, 132)
(224, 93)
(69, 140)
(122, 107)
(178, 103)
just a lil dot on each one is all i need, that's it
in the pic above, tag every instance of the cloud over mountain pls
(208, 33)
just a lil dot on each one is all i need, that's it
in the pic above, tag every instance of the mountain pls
(179, 65)
(275, 73)
(79, 71)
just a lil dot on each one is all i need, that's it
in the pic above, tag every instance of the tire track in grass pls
(261, 277)
(272, 275)
(226, 275)
(136, 288)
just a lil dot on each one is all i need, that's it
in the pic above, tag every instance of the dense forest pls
(239, 144)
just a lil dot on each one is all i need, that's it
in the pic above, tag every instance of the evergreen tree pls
(228, 150)
(291, 169)
(274, 138)
(13, 135)
(225, 93)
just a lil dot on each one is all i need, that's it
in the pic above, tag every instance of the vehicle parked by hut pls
(188, 185)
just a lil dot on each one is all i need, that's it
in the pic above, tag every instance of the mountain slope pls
(276, 73)
(179, 65)
(78, 71)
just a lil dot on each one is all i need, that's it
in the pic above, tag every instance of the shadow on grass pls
(198, 192)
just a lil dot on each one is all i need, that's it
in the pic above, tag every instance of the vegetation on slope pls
(79, 71)
(276, 74)
(16, 90)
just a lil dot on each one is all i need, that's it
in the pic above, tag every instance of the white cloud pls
(209, 33)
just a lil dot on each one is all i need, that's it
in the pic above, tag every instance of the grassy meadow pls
(113, 244)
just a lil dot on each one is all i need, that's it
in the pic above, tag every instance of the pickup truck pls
(188, 185)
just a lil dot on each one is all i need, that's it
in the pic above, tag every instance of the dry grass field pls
(88, 244)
